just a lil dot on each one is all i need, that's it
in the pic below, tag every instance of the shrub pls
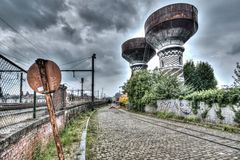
(165, 115)
(123, 100)
(136, 86)
(146, 87)
(237, 117)
(219, 114)
(204, 114)
(221, 96)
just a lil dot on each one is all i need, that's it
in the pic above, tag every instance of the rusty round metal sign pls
(52, 73)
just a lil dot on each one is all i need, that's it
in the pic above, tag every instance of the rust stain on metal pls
(53, 76)
(44, 77)
(133, 44)
(171, 25)
(135, 49)
(171, 12)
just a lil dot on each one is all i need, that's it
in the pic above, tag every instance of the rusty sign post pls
(44, 77)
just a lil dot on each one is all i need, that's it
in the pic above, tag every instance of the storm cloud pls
(69, 30)
(37, 14)
(119, 15)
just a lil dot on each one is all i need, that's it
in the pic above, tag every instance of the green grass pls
(70, 138)
(91, 137)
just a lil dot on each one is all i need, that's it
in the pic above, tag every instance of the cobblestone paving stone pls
(123, 137)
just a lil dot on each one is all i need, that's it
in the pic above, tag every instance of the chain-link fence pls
(21, 108)
(16, 98)
(17, 106)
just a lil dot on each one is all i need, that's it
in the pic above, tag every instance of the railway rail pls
(229, 141)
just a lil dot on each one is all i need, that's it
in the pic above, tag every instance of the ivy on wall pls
(146, 87)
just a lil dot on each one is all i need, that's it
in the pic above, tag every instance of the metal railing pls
(16, 99)
(20, 106)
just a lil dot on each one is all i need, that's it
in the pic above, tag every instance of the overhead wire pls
(21, 35)
(75, 61)
(18, 53)
(15, 48)
(1, 52)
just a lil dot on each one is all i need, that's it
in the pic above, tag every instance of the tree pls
(146, 87)
(137, 85)
(204, 77)
(188, 73)
(237, 75)
(167, 87)
(200, 76)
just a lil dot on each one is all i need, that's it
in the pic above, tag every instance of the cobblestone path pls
(123, 135)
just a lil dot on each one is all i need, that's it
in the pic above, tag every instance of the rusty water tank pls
(171, 25)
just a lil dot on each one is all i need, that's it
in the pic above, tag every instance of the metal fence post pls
(34, 104)
(21, 84)
(92, 99)
(82, 81)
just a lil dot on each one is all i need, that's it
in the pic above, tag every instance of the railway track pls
(14, 116)
(230, 142)
(12, 120)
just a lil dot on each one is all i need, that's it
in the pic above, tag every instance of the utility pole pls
(85, 70)
(82, 81)
(102, 94)
(93, 58)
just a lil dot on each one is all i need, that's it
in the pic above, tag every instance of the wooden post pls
(52, 117)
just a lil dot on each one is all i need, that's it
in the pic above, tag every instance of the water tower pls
(137, 52)
(167, 29)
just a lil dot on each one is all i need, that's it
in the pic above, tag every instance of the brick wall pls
(21, 144)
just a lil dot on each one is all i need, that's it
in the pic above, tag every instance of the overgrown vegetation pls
(146, 87)
(204, 113)
(70, 138)
(221, 96)
(219, 114)
(237, 117)
(91, 137)
(199, 76)
(136, 87)
(123, 100)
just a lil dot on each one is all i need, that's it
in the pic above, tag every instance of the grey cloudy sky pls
(70, 30)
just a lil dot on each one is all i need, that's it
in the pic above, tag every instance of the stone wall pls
(21, 144)
(184, 108)
(59, 98)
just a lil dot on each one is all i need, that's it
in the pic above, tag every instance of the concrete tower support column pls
(138, 66)
(171, 57)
